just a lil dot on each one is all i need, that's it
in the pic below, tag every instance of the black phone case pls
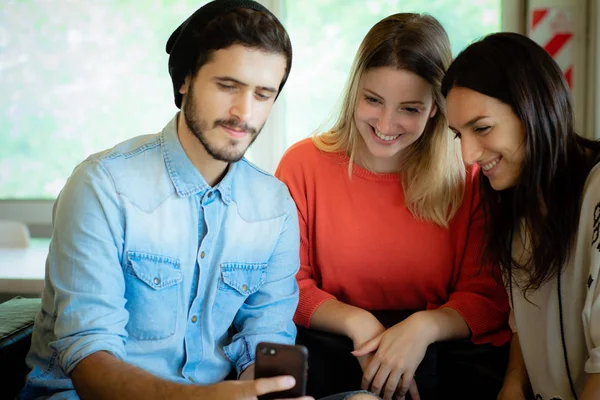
(287, 360)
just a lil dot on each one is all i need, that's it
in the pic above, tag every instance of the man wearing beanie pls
(171, 255)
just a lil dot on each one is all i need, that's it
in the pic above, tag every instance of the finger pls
(368, 347)
(391, 385)
(369, 373)
(379, 381)
(275, 384)
(414, 391)
(404, 384)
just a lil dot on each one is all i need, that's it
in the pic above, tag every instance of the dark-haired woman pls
(509, 104)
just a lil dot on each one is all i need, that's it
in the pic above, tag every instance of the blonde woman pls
(390, 226)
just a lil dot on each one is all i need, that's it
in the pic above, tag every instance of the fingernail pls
(289, 380)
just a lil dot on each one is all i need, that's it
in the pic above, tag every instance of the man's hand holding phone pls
(274, 360)
(252, 389)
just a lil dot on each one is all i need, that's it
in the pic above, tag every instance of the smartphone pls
(274, 359)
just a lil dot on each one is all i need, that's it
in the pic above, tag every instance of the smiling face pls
(229, 99)
(491, 135)
(392, 110)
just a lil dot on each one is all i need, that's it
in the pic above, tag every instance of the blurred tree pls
(78, 77)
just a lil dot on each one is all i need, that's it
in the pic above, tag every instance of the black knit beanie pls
(182, 49)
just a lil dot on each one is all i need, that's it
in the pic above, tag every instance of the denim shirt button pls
(156, 281)
(194, 319)
(245, 287)
(210, 194)
(202, 255)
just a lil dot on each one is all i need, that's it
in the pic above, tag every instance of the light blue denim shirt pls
(150, 263)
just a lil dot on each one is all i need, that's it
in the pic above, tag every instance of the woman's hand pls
(364, 328)
(368, 328)
(398, 352)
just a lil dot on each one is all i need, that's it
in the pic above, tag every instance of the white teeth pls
(384, 137)
(487, 167)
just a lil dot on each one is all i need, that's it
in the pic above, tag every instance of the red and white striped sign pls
(552, 28)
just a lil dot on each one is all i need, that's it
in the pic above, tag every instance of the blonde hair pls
(432, 170)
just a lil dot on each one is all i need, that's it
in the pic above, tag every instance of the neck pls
(376, 165)
(211, 170)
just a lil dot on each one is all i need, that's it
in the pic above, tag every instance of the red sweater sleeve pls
(478, 295)
(293, 173)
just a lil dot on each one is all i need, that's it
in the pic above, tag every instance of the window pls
(79, 77)
(326, 35)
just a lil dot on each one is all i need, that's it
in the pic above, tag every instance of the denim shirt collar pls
(185, 177)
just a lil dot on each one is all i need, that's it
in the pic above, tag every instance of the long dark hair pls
(515, 70)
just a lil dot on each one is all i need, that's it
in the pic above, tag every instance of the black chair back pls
(16, 324)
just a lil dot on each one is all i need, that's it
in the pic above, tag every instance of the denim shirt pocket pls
(238, 281)
(152, 292)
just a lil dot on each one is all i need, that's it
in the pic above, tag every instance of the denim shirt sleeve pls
(84, 270)
(267, 314)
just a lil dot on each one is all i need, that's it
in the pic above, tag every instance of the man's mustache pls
(232, 123)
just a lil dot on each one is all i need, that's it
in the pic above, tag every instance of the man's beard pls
(198, 127)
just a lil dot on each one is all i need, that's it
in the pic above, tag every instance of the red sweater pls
(362, 246)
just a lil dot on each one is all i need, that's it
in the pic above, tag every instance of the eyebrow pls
(230, 79)
(419, 102)
(471, 122)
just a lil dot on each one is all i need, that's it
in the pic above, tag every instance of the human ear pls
(185, 86)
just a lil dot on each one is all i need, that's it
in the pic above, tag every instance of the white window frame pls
(267, 150)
